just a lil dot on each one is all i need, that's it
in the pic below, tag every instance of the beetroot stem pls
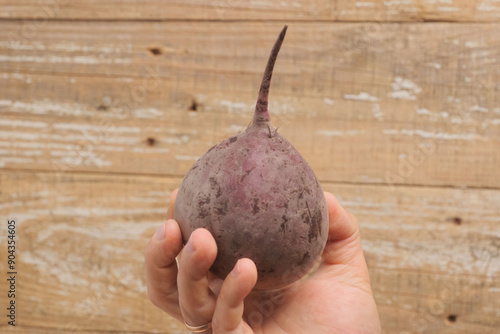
(261, 115)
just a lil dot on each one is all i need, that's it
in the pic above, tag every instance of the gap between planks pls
(228, 21)
(173, 176)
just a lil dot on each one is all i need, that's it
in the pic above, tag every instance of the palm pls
(327, 302)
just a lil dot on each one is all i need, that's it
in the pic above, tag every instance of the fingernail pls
(160, 233)
(236, 269)
(190, 244)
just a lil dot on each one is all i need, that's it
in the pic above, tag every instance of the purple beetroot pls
(259, 198)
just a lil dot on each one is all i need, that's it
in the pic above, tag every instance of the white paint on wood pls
(19, 135)
(21, 123)
(433, 135)
(236, 107)
(437, 66)
(333, 133)
(112, 230)
(377, 114)
(448, 9)
(433, 115)
(436, 254)
(488, 6)
(397, 3)
(26, 153)
(365, 4)
(187, 157)
(147, 113)
(81, 60)
(404, 89)
(363, 96)
(479, 109)
(328, 101)
(48, 262)
(88, 127)
(151, 150)
(45, 106)
(235, 128)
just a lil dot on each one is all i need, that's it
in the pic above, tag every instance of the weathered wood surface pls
(81, 239)
(105, 105)
(318, 10)
(365, 103)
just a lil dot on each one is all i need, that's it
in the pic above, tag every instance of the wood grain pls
(299, 10)
(75, 99)
(104, 105)
(81, 239)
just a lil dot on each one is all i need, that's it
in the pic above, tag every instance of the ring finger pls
(196, 299)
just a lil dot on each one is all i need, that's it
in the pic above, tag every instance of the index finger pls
(171, 207)
(342, 223)
(344, 241)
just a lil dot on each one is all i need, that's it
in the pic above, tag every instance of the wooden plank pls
(83, 269)
(367, 10)
(48, 330)
(362, 102)
(81, 240)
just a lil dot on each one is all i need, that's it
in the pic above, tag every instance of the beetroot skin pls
(259, 198)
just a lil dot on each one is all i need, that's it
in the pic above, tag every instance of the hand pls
(336, 298)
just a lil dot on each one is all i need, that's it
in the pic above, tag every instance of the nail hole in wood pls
(457, 220)
(452, 318)
(194, 105)
(102, 107)
(155, 51)
(151, 141)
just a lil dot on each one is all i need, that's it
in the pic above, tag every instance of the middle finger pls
(196, 299)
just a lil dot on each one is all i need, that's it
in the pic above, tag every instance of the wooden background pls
(106, 104)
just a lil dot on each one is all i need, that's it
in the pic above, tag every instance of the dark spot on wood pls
(457, 220)
(102, 107)
(155, 50)
(194, 105)
(255, 206)
(452, 318)
(233, 139)
(151, 141)
(301, 194)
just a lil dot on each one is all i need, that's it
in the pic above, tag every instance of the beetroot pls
(259, 198)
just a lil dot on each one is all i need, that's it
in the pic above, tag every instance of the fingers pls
(344, 242)
(161, 268)
(342, 224)
(236, 287)
(196, 300)
(170, 212)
